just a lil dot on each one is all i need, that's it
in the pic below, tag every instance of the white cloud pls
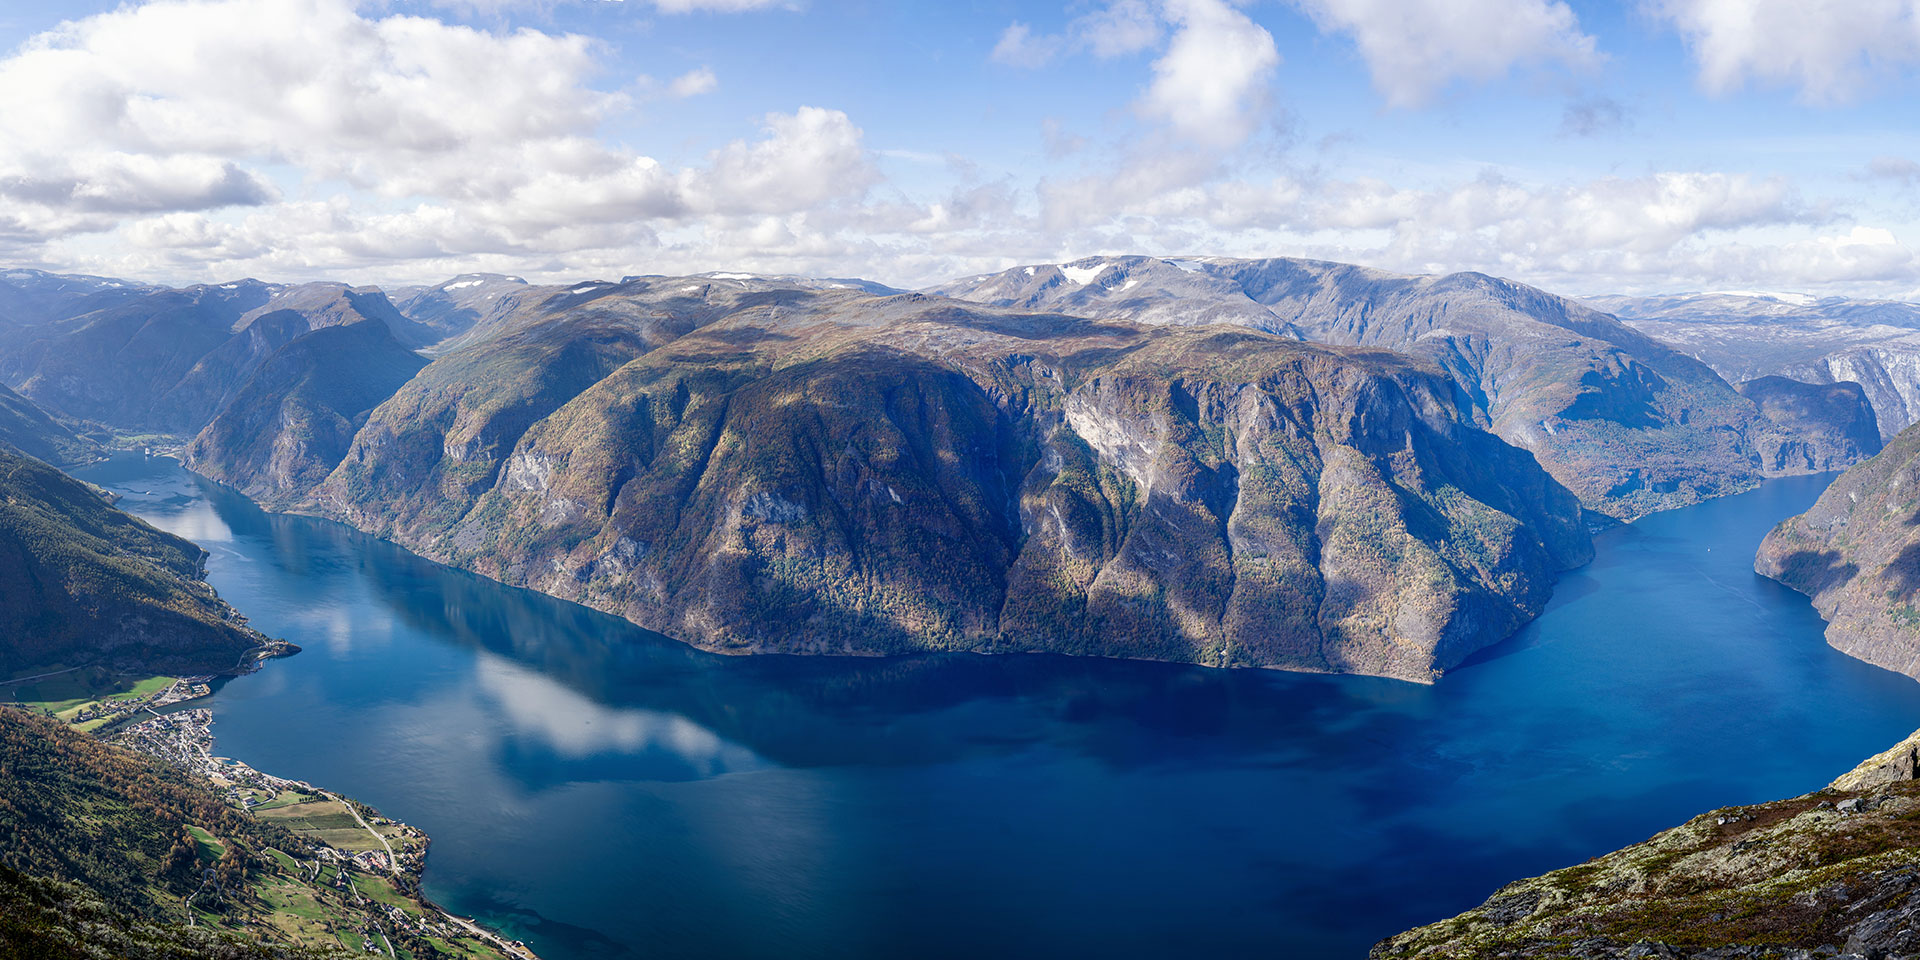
(1019, 46)
(1211, 84)
(694, 83)
(1414, 50)
(1117, 29)
(1829, 49)
(1120, 28)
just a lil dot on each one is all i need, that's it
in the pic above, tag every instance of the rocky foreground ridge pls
(1833, 873)
(1857, 554)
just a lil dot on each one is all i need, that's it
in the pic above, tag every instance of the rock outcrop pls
(1829, 426)
(1834, 873)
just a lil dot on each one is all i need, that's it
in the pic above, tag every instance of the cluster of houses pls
(180, 691)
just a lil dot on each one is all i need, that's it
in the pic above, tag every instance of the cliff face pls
(1857, 554)
(1831, 872)
(1829, 426)
(82, 582)
(832, 472)
(1627, 423)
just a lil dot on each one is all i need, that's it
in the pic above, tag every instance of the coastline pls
(184, 738)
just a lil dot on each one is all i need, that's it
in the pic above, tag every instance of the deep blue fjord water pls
(605, 792)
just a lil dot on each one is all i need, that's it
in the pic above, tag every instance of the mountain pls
(1829, 426)
(1825, 874)
(1875, 343)
(452, 308)
(759, 468)
(1856, 552)
(35, 296)
(30, 430)
(171, 361)
(1624, 421)
(115, 365)
(81, 582)
(292, 421)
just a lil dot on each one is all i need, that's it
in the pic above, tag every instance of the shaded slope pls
(30, 430)
(82, 582)
(292, 422)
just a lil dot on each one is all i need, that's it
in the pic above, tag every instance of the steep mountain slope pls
(114, 365)
(1627, 423)
(426, 454)
(772, 469)
(27, 428)
(82, 582)
(452, 308)
(1835, 872)
(292, 422)
(1875, 343)
(1830, 426)
(171, 360)
(1857, 554)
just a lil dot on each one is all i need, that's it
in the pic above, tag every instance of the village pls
(369, 862)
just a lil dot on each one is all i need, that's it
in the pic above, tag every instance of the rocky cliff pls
(1627, 423)
(1857, 554)
(757, 468)
(1829, 426)
(1836, 872)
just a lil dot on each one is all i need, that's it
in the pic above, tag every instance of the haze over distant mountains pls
(1743, 336)
(1120, 455)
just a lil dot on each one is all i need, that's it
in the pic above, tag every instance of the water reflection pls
(593, 784)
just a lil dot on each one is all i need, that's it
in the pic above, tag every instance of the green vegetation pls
(82, 582)
(99, 833)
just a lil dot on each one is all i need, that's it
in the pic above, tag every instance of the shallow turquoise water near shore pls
(606, 792)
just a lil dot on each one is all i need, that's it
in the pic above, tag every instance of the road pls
(393, 865)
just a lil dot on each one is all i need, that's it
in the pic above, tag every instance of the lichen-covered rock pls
(1830, 874)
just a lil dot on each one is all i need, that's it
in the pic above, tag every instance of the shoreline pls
(184, 738)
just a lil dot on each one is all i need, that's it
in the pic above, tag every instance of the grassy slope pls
(81, 581)
(121, 839)
(29, 429)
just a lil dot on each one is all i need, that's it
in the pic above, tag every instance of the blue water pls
(607, 792)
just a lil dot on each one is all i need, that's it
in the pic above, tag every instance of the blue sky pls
(1664, 145)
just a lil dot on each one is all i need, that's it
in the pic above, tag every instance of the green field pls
(67, 695)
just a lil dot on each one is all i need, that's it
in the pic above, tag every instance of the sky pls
(1646, 146)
